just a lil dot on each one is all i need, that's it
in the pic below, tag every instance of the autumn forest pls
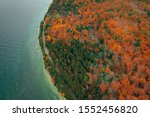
(98, 49)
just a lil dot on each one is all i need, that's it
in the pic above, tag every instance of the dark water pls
(22, 73)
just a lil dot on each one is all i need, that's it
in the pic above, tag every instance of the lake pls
(22, 73)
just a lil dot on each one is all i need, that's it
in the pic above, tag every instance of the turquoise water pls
(22, 74)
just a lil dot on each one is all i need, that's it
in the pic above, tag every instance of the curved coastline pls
(45, 54)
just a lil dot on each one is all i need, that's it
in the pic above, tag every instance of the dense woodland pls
(100, 49)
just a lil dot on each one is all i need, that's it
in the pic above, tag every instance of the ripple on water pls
(21, 66)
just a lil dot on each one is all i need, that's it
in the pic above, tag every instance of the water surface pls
(22, 74)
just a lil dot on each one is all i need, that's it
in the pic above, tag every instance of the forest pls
(100, 49)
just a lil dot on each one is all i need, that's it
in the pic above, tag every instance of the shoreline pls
(53, 86)
(44, 53)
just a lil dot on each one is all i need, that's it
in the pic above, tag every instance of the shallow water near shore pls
(22, 73)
